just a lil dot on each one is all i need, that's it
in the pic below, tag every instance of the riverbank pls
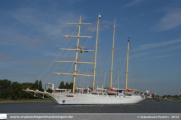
(26, 101)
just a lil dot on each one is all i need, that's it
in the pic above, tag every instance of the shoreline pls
(25, 101)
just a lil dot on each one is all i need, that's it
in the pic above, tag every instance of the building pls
(57, 90)
(49, 86)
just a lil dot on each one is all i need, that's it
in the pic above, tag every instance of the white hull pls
(92, 99)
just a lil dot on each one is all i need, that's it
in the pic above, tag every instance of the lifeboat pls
(128, 92)
(111, 91)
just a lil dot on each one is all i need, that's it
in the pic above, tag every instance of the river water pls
(53, 107)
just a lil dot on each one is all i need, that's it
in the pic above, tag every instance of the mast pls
(127, 64)
(76, 57)
(96, 52)
(112, 55)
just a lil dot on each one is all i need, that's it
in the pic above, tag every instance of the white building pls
(49, 86)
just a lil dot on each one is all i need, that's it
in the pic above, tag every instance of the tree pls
(71, 85)
(27, 85)
(176, 96)
(50, 90)
(61, 86)
(67, 86)
(153, 95)
(169, 96)
(5, 88)
(157, 96)
(40, 86)
(35, 86)
(16, 90)
(13, 90)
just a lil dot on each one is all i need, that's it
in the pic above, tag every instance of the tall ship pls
(94, 96)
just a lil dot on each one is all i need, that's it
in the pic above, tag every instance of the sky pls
(31, 35)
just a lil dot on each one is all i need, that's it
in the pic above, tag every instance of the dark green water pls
(53, 107)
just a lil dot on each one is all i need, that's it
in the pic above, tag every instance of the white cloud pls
(32, 27)
(103, 25)
(51, 54)
(135, 2)
(171, 48)
(157, 45)
(156, 57)
(140, 55)
(171, 20)
(52, 24)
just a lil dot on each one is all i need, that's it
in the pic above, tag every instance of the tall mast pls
(76, 58)
(96, 52)
(127, 64)
(112, 55)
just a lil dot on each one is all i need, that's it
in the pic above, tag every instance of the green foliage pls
(175, 96)
(49, 90)
(71, 86)
(35, 85)
(13, 90)
(66, 86)
(157, 96)
(169, 96)
(40, 86)
(153, 95)
(5, 88)
(61, 86)
(16, 90)
(27, 85)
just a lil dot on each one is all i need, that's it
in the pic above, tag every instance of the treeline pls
(13, 90)
(66, 85)
(167, 96)
(171, 96)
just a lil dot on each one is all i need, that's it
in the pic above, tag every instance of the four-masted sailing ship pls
(96, 95)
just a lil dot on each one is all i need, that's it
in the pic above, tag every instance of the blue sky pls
(31, 33)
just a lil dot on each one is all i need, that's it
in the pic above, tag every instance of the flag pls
(83, 50)
(151, 92)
